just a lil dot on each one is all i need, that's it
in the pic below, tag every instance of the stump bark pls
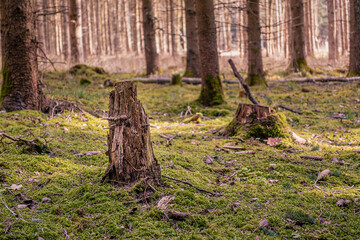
(248, 114)
(131, 156)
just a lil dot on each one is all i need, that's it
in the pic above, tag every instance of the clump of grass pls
(300, 217)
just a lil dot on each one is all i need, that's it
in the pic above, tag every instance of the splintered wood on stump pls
(247, 114)
(131, 156)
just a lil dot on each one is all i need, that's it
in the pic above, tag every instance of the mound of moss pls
(275, 126)
(85, 70)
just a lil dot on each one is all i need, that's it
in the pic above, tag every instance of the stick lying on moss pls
(35, 145)
(187, 183)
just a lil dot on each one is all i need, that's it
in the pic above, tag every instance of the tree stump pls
(131, 156)
(248, 114)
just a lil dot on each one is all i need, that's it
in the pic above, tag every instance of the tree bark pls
(131, 156)
(256, 75)
(354, 66)
(21, 88)
(151, 55)
(211, 87)
(331, 29)
(298, 60)
(75, 55)
(172, 29)
(192, 57)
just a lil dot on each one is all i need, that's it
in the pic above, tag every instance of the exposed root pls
(34, 145)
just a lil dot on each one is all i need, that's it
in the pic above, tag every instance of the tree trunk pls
(331, 30)
(192, 57)
(85, 30)
(21, 88)
(151, 56)
(354, 66)
(172, 27)
(298, 60)
(131, 156)
(211, 87)
(75, 56)
(256, 75)
(40, 27)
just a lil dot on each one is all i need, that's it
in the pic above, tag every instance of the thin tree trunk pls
(151, 56)
(332, 31)
(21, 88)
(85, 30)
(192, 57)
(354, 66)
(211, 87)
(256, 75)
(75, 57)
(172, 29)
(298, 60)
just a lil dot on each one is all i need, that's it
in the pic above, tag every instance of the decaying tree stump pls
(131, 157)
(248, 114)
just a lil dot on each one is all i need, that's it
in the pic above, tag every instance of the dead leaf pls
(164, 202)
(273, 142)
(245, 152)
(46, 200)
(342, 203)
(19, 171)
(209, 160)
(273, 181)
(66, 130)
(253, 199)
(322, 174)
(22, 206)
(264, 223)
(87, 154)
(336, 160)
(15, 187)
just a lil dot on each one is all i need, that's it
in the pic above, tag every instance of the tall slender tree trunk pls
(354, 66)
(40, 27)
(75, 55)
(298, 60)
(172, 27)
(331, 31)
(21, 88)
(85, 30)
(256, 75)
(151, 55)
(66, 34)
(211, 87)
(192, 39)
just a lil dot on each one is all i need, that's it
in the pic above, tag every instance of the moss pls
(212, 93)
(85, 82)
(176, 80)
(6, 85)
(300, 65)
(274, 126)
(256, 79)
(189, 74)
(299, 217)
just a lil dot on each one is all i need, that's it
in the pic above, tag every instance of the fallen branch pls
(165, 80)
(289, 109)
(312, 157)
(243, 82)
(35, 145)
(320, 79)
(191, 185)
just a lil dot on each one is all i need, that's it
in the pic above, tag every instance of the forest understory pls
(261, 188)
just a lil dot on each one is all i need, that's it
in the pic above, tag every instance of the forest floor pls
(269, 194)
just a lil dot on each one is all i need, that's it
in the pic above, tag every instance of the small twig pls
(315, 186)
(289, 109)
(312, 157)
(12, 212)
(191, 185)
(243, 82)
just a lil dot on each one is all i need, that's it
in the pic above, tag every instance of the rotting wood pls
(131, 156)
(197, 81)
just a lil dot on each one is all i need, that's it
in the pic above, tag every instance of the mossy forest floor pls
(61, 196)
